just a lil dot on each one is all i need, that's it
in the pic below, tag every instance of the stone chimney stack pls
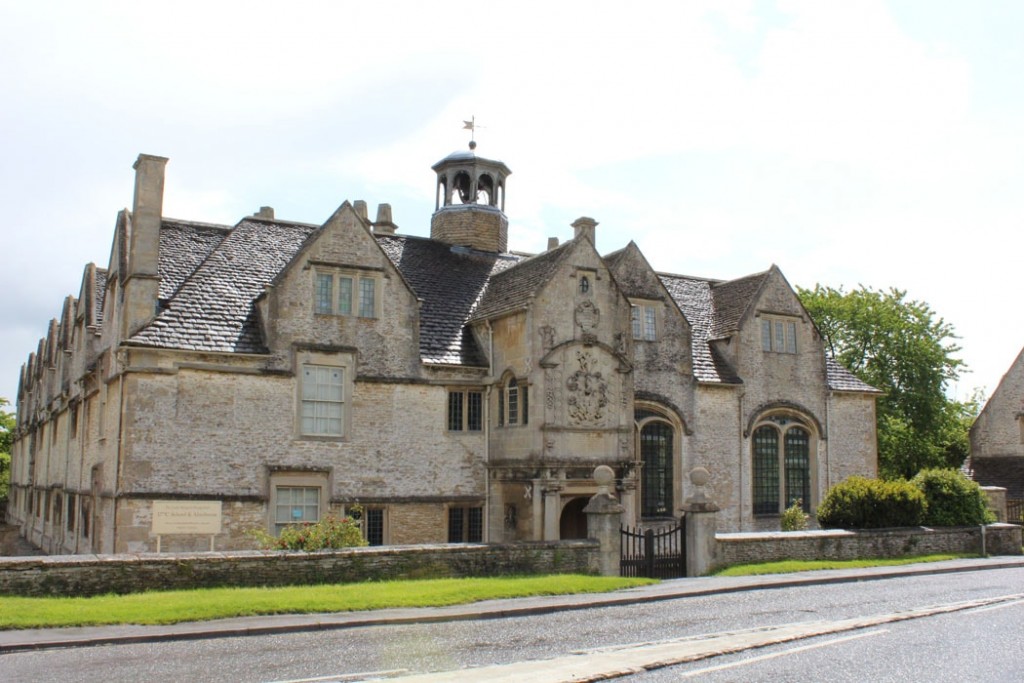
(265, 212)
(552, 243)
(142, 271)
(584, 226)
(384, 225)
(359, 206)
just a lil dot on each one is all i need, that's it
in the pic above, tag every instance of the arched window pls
(513, 404)
(657, 453)
(781, 453)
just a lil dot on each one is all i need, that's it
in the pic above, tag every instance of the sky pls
(850, 143)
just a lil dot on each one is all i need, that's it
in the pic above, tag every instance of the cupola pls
(470, 204)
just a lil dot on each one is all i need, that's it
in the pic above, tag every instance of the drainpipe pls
(487, 432)
(827, 440)
(741, 459)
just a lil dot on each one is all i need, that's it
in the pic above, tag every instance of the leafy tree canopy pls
(6, 427)
(903, 348)
(7, 422)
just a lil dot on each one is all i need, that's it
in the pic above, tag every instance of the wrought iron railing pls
(1015, 510)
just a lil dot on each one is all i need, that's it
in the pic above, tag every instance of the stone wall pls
(998, 430)
(83, 575)
(742, 548)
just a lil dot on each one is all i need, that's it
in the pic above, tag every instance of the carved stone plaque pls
(587, 316)
(587, 391)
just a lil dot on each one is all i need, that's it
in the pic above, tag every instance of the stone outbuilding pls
(997, 435)
(454, 391)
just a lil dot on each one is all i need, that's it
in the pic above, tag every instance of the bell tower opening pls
(469, 205)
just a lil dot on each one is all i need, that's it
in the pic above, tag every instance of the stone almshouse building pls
(456, 391)
(997, 435)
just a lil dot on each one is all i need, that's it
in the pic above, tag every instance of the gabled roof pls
(183, 246)
(513, 288)
(732, 299)
(214, 308)
(715, 310)
(100, 291)
(635, 282)
(448, 281)
(694, 298)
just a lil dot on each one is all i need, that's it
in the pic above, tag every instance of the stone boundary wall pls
(745, 548)
(82, 575)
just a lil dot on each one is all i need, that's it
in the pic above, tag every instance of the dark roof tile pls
(693, 296)
(731, 300)
(841, 379)
(449, 281)
(183, 246)
(213, 309)
(512, 288)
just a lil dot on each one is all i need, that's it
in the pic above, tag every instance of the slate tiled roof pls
(512, 289)
(695, 300)
(99, 291)
(449, 281)
(841, 379)
(183, 246)
(211, 276)
(714, 309)
(214, 308)
(1007, 471)
(731, 300)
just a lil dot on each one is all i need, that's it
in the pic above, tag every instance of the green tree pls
(903, 348)
(6, 435)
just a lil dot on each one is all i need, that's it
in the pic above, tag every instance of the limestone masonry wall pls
(1000, 539)
(82, 575)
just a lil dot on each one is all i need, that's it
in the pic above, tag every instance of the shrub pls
(861, 503)
(329, 533)
(794, 518)
(953, 499)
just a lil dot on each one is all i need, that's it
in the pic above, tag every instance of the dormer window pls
(778, 335)
(645, 322)
(345, 293)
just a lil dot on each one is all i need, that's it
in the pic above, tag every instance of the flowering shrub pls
(794, 518)
(329, 533)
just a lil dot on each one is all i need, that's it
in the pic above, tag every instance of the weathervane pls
(471, 126)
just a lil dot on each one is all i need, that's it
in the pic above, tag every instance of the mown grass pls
(787, 566)
(169, 607)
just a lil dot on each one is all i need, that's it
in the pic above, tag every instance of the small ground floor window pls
(296, 498)
(465, 525)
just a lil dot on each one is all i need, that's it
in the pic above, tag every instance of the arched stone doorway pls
(573, 523)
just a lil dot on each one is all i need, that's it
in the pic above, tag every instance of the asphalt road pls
(926, 647)
(980, 644)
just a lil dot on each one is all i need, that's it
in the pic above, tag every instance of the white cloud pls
(840, 140)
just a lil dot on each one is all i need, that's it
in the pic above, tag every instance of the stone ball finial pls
(604, 476)
(700, 476)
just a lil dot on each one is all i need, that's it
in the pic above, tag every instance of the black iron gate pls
(654, 554)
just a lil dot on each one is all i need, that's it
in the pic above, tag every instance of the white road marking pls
(1002, 606)
(612, 662)
(364, 676)
(785, 653)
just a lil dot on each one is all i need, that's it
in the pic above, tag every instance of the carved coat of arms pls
(587, 391)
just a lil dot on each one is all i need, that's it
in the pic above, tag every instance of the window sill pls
(320, 437)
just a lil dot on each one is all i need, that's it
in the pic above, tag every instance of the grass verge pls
(169, 607)
(787, 566)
